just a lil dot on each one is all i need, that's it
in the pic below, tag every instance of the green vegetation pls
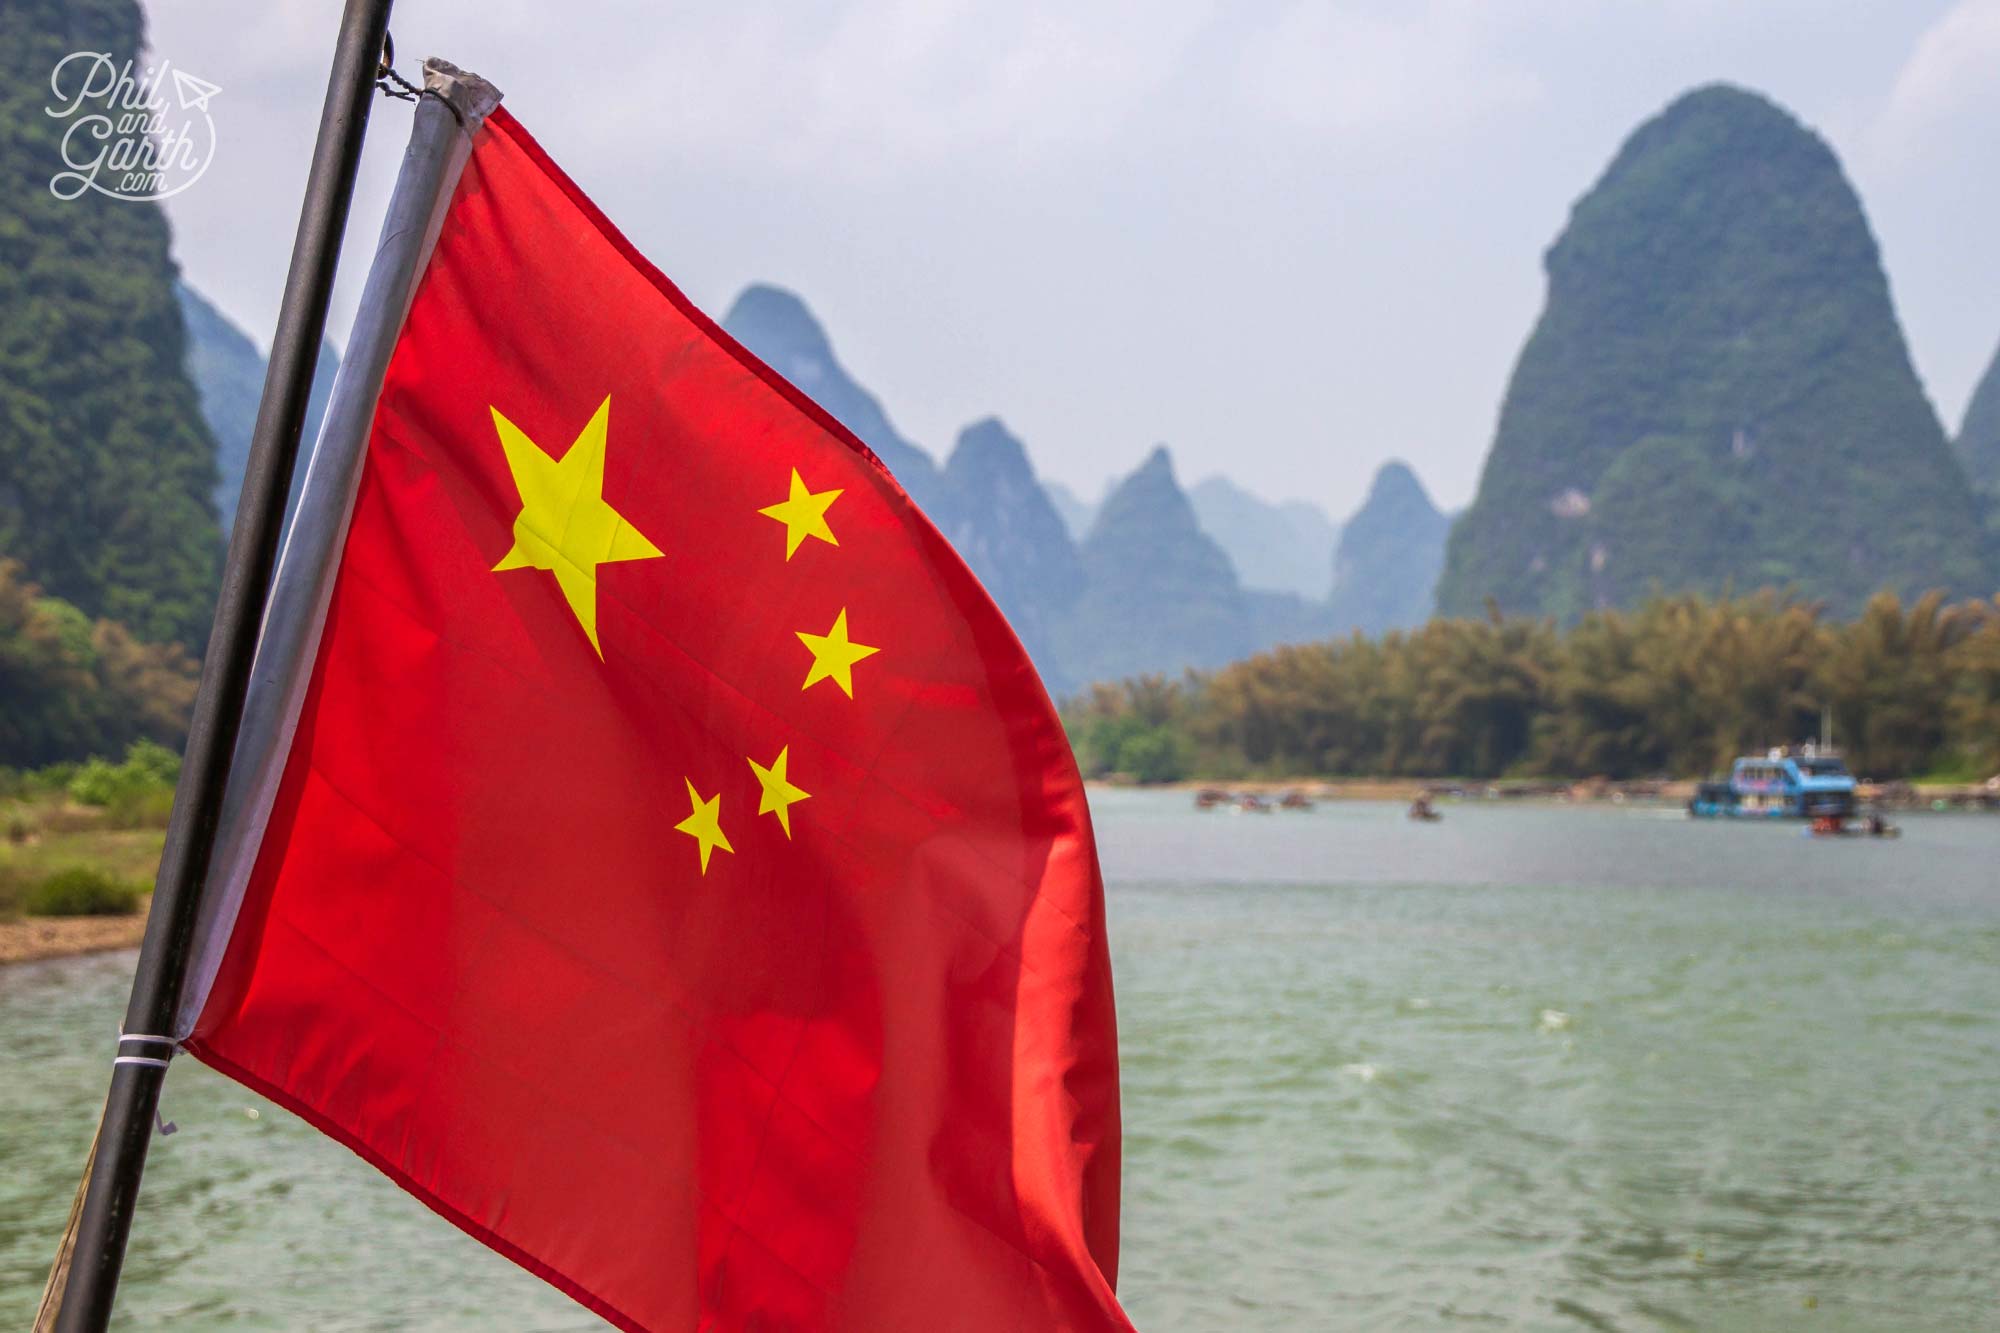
(1717, 393)
(82, 891)
(137, 793)
(107, 470)
(75, 687)
(1134, 730)
(83, 839)
(53, 853)
(1678, 686)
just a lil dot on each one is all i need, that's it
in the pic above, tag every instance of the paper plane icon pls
(194, 93)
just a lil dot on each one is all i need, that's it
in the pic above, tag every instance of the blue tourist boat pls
(1783, 784)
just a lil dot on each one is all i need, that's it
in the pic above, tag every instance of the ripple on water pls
(1779, 1106)
(1745, 1073)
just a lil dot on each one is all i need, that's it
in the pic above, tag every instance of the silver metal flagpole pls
(244, 717)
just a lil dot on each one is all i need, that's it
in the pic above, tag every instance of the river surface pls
(1532, 1067)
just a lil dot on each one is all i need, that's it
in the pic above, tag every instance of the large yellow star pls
(564, 525)
(779, 794)
(834, 655)
(803, 513)
(704, 823)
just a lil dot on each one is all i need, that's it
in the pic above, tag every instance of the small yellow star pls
(779, 794)
(803, 513)
(564, 525)
(834, 655)
(704, 824)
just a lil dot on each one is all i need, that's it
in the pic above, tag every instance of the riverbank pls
(134, 854)
(33, 939)
(1883, 795)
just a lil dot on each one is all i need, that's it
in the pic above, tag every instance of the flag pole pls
(119, 1156)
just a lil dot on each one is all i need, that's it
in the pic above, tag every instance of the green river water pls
(1532, 1067)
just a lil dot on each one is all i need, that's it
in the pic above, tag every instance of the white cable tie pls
(144, 1039)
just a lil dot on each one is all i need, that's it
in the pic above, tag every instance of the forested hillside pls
(1717, 393)
(107, 469)
(74, 687)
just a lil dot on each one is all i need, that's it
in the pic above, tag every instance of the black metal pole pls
(141, 1065)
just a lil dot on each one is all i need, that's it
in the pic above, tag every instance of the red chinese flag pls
(679, 878)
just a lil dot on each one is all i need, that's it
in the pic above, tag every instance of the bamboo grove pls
(1675, 687)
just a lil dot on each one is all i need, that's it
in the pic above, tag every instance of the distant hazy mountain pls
(1385, 574)
(985, 500)
(1146, 589)
(1159, 594)
(999, 518)
(775, 324)
(1979, 436)
(1717, 391)
(1277, 547)
(1979, 451)
(1077, 514)
(228, 374)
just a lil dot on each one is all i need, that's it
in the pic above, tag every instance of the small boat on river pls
(1781, 784)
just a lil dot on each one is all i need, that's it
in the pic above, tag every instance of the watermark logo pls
(129, 136)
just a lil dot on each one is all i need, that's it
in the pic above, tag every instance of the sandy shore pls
(38, 937)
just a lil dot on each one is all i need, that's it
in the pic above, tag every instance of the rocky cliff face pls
(1275, 547)
(1386, 570)
(1159, 594)
(1717, 391)
(776, 326)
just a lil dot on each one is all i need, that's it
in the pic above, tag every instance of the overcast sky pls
(1289, 240)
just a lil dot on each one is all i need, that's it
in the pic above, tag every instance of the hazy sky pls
(1289, 240)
